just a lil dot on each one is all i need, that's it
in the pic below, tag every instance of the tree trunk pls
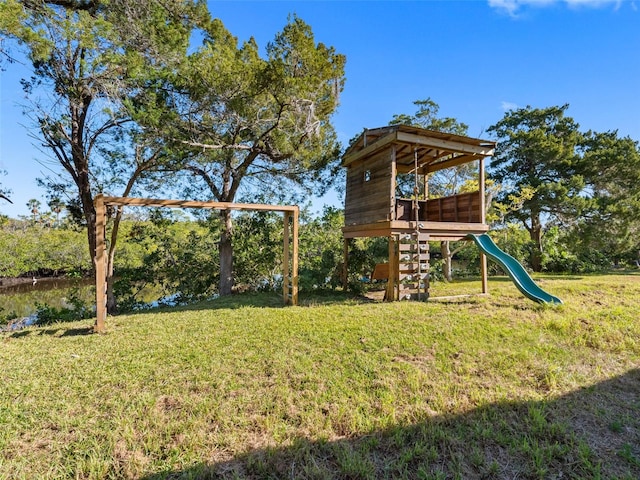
(447, 271)
(89, 212)
(112, 306)
(535, 233)
(226, 254)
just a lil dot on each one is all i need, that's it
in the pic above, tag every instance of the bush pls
(77, 310)
(29, 249)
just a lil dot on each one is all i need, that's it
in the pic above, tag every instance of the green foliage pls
(612, 224)
(28, 249)
(6, 317)
(76, 310)
(92, 61)
(364, 254)
(321, 246)
(586, 184)
(235, 118)
(537, 150)
(177, 257)
(426, 116)
(241, 124)
(257, 238)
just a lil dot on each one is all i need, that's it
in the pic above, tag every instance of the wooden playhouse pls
(376, 163)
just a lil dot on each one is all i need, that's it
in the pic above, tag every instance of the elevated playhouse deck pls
(384, 167)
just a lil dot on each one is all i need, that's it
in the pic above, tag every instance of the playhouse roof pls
(436, 150)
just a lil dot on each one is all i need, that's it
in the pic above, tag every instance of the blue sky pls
(476, 59)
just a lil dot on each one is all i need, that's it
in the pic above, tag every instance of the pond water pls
(23, 299)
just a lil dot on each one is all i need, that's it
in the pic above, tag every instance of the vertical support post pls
(345, 264)
(294, 260)
(483, 272)
(393, 211)
(481, 185)
(483, 220)
(100, 266)
(390, 295)
(285, 259)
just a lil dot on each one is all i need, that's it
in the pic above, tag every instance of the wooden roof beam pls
(452, 162)
(154, 202)
(368, 150)
(454, 146)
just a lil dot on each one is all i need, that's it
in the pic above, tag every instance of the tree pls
(56, 205)
(443, 182)
(611, 168)
(538, 150)
(34, 207)
(4, 193)
(89, 57)
(245, 126)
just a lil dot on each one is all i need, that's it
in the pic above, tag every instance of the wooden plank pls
(413, 257)
(483, 273)
(154, 202)
(369, 150)
(413, 277)
(367, 207)
(380, 272)
(370, 195)
(412, 267)
(452, 162)
(390, 295)
(100, 265)
(366, 214)
(295, 255)
(444, 144)
(391, 192)
(445, 230)
(481, 192)
(285, 259)
(379, 174)
(364, 218)
(345, 263)
(382, 232)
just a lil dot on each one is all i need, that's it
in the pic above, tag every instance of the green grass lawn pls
(478, 387)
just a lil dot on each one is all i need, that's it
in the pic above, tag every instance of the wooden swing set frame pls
(290, 242)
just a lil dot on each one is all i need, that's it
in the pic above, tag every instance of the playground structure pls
(374, 208)
(290, 242)
(516, 272)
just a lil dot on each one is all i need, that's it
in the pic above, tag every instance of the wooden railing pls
(461, 208)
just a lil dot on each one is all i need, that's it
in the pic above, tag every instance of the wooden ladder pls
(413, 266)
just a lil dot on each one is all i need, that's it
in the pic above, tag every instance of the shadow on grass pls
(261, 300)
(591, 433)
(57, 331)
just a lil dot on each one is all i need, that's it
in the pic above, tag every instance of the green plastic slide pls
(516, 272)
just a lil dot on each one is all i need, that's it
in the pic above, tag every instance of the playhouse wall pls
(461, 208)
(464, 207)
(369, 190)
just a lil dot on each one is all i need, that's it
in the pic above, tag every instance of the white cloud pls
(512, 7)
(506, 106)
